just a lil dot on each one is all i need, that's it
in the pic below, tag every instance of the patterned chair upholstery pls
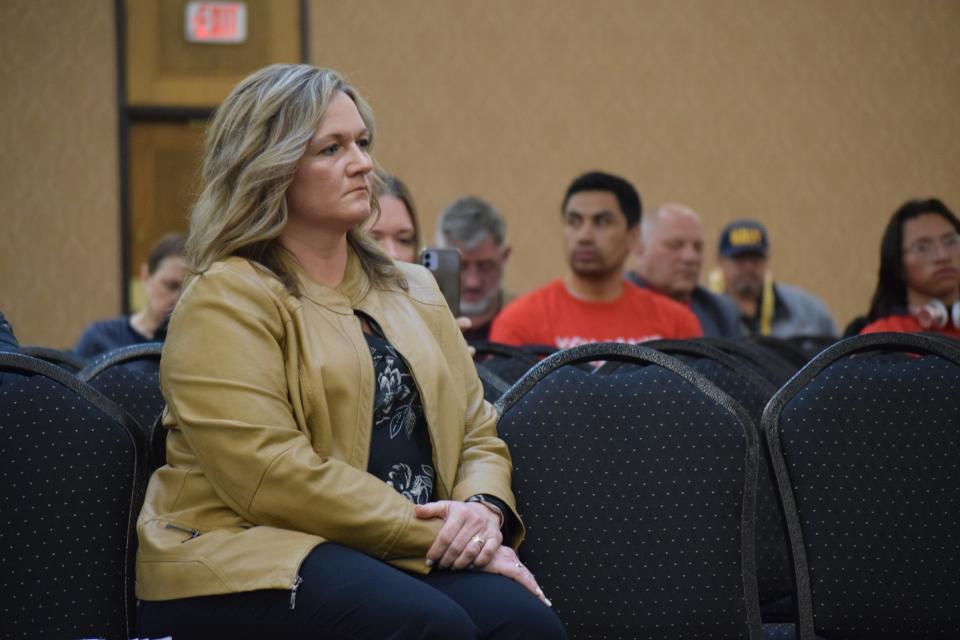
(71, 487)
(638, 491)
(742, 383)
(866, 452)
(130, 376)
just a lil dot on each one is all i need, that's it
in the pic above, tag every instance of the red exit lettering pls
(216, 22)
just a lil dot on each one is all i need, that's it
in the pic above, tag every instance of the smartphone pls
(444, 264)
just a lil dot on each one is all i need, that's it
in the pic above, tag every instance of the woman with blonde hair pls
(332, 469)
(396, 228)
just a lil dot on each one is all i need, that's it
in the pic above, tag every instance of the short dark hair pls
(626, 194)
(172, 244)
(890, 295)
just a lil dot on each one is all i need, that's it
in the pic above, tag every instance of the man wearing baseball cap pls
(766, 308)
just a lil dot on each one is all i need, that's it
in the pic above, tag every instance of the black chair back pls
(157, 441)
(866, 451)
(499, 366)
(73, 478)
(638, 491)
(138, 357)
(811, 346)
(65, 359)
(540, 351)
(784, 348)
(130, 376)
(493, 385)
(742, 383)
(507, 362)
(766, 362)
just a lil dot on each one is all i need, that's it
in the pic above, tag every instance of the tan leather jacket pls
(270, 406)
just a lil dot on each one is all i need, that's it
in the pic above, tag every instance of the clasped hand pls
(470, 537)
(470, 534)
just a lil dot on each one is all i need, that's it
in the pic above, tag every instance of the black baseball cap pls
(743, 236)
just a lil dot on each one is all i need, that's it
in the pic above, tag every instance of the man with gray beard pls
(767, 308)
(477, 229)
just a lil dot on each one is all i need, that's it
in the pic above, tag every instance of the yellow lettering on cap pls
(745, 235)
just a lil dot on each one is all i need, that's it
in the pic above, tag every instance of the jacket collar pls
(345, 297)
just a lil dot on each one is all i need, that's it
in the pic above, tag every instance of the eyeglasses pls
(926, 249)
(484, 267)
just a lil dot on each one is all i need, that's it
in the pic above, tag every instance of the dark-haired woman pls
(919, 280)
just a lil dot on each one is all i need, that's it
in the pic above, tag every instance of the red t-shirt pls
(906, 324)
(552, 316)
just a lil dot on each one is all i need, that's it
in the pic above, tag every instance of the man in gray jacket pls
(766, 308)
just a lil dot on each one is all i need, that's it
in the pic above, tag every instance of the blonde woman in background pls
(332, 468)
(396, 229)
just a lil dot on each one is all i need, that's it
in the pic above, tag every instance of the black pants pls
(347, 594)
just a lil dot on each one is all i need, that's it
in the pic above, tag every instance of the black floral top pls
(400, 451)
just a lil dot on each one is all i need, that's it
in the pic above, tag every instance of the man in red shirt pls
(593, 303)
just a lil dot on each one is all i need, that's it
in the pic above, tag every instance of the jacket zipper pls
(193, 532)
(293, 592)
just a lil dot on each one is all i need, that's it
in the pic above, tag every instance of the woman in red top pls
(919, 279)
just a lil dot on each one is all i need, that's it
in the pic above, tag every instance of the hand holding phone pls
(444, 264)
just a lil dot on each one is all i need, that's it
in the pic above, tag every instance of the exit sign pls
(216, 22)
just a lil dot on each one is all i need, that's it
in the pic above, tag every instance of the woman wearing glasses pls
(919, 279)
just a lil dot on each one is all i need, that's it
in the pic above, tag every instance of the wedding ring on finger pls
(477, 540)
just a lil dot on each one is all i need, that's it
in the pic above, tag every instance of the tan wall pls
(818, 117)
(59, 209)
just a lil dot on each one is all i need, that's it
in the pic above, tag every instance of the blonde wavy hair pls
(252, 148)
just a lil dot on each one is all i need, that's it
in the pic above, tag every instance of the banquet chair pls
(71, 487)
(638, 493)
(865, 446)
